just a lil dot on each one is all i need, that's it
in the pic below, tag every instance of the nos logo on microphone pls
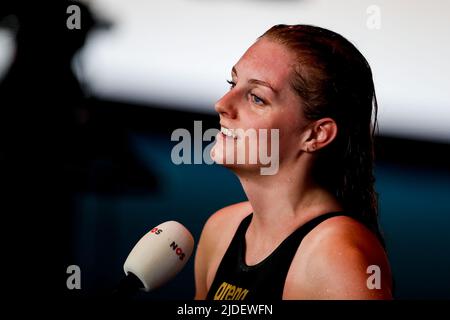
(177, 250)
(156, 231)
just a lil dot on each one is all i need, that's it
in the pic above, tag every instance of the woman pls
(309, 231)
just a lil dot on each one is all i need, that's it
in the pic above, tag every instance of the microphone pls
(157, 257)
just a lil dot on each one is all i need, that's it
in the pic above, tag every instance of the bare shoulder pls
(226, 219)
(339, 259)
(216, 236)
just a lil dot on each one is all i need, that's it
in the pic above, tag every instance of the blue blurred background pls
(87, 117)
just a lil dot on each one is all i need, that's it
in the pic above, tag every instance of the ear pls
(319, 134)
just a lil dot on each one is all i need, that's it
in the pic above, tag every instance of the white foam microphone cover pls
(160, 254)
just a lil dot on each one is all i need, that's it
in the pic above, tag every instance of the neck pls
(283, 202)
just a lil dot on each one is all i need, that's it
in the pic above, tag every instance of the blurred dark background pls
(83, 177)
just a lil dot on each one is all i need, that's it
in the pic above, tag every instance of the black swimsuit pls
(264, 281)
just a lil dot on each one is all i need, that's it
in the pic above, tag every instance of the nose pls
(226, 107)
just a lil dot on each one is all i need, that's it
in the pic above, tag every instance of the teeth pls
(228, 132)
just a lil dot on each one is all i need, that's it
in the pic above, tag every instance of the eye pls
(231, 83)
(257, 100)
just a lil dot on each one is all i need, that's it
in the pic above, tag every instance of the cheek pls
(289, 133)
(288, 145)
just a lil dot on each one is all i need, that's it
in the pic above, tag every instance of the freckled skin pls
(332, 260)
(282, 109)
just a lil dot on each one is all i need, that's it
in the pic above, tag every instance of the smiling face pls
(260, 97)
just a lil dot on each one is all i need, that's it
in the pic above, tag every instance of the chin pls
(219, 158)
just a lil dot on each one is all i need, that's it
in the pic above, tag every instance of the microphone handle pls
(128, 286)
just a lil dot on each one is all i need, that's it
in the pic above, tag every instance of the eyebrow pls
(256, 81)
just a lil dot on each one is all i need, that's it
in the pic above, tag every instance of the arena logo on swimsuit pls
(228, 291)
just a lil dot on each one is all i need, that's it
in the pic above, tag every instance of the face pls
(260, 97)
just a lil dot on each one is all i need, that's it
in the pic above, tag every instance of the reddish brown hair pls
(333, 79)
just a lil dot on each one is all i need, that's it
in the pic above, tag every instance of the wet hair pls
(333, 79)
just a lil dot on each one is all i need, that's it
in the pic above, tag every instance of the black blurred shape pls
(50, 148)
